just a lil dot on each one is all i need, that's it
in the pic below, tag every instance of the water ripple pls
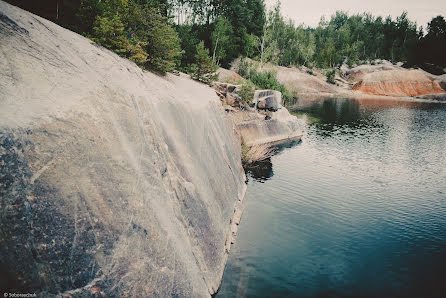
(358, 209)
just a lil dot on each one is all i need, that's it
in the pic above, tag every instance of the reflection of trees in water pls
(260, 170)
(263, 170)
(335, 113)
(335, 116)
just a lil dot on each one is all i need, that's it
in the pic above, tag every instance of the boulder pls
(268, 100)
(114, 181)
(265, 127)
(228, 93)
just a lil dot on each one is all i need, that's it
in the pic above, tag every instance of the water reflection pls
(358, 209)
(262, 171)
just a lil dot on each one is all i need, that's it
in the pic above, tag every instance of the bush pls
(265, 80)
(204, 69)
(331, 76)
(243, 68)
(247, 92)
(268, 80)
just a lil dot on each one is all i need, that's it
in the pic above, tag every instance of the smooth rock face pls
(356, 74)
(400, 83)
(113, 181)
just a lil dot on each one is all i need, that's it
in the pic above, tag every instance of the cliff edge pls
(114, 181)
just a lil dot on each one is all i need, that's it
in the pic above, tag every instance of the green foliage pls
(134, 29)
(264, 79)
(203, 69)
(244, 68)
(163, 45)
(247, 92)
(341, 39)
(142, 30)
(86, 15)
(236, 25)
(189, 41)
(109, 32)
(433, 48)
(221, 38)
(331, 76)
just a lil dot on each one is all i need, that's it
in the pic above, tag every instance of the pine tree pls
(204, 68)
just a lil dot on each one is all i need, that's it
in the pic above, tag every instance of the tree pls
(204, 68)
(222, 41)
(137, 30)
(434, 45)
(108, 30)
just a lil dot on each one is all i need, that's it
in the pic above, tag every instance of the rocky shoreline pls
(382, 80)
(115, 181)
(264, 121)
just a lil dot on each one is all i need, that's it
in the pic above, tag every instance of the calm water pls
(357, 209)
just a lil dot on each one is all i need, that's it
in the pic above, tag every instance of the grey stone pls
(268, 99)
(114, 181)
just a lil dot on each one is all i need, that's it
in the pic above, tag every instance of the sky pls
(309, 12)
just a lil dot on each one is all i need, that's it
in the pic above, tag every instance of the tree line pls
(163, 35)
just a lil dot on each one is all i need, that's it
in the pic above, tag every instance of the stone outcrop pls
(265, 121)
(356, 73)
(270, 100)
(399, 83)
(382, 80)
(278, 127)
(114, 181)
(228, 93)
(303, 82)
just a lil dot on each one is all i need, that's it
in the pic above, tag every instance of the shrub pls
(247, 92)
(268, 80)
(265, 80)
(331, 76)
(243, 68)
(204, 69)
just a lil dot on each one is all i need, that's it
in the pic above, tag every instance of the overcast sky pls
(309, 12)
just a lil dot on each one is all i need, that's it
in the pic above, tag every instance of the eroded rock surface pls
(113, 181)
(400, 83)
(383, 80)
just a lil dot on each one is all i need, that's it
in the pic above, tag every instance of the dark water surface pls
(358, 209)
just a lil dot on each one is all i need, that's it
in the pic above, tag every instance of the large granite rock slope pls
(113, 181)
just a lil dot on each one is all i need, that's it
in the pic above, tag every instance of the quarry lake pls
(357, 209)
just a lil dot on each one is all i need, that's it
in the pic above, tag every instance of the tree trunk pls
(215, 49)
(262, 48)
